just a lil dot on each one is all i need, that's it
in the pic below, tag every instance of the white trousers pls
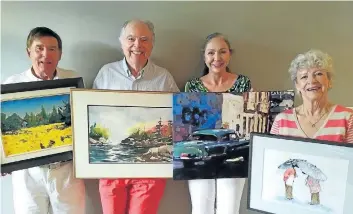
(40, 190)
(227, 193)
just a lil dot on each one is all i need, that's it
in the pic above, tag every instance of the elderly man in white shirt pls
(135, 72)
(49, 188)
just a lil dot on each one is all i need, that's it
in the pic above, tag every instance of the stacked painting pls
(211, 131)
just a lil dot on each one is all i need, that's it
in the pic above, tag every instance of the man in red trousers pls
(135, 72)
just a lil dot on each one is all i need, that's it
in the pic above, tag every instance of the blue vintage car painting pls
(209, 146)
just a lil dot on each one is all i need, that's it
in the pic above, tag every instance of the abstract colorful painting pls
(211, 132)
(29, 125)
(128, 134)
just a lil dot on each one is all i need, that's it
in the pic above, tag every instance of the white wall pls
(266, 37)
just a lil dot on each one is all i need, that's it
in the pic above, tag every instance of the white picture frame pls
(115, 158)
(268, 190)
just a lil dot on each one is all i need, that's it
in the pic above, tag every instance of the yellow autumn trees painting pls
(35, 124)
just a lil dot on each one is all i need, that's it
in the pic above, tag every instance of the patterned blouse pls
(242, 84)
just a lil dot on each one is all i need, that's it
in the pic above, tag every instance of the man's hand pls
(4, 174)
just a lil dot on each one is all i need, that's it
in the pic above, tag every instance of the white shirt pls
(27, 76)
(117, 76)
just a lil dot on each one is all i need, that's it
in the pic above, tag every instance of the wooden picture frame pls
(36, 123)
(122, 134)
(299, 175)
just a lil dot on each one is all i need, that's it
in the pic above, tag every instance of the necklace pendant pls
(313, 125)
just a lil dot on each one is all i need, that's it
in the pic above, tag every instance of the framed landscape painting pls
(211, 131)
(122, 134)
(36, 123)
(299, 175)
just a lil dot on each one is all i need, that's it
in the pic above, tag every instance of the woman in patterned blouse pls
(217, 78)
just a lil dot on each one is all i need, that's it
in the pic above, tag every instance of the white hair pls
(311, 59)
(149, 24)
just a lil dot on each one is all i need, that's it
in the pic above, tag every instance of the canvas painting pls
(280, 101)
(36, 124)
(130, 134)
(211, 132)
(122, 134)
(40, 123)
(303, 180)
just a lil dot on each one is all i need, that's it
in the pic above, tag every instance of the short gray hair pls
(311, 59)
(149, 24)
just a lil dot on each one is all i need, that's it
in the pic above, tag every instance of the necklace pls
(313, 125)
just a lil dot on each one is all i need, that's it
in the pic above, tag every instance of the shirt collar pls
(33, 77)
(128, 72)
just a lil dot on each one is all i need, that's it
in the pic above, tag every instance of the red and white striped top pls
(337, 127)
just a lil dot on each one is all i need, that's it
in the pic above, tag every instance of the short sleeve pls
(11, 79)
(275, 126)
(248, 85)
(349, 132)
(97, 83)
(187, 86)
(172, 84)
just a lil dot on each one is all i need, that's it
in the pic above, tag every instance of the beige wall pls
(265, 35)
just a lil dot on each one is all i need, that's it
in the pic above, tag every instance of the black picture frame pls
(14, 88)
(341, 151)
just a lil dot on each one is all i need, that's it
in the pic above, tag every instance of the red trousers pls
(131, 196)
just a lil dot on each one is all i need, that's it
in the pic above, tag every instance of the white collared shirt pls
(27, 76)
(117, 76)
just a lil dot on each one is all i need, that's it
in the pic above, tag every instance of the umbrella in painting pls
(306, 167)
(312, 170)
(291, 163)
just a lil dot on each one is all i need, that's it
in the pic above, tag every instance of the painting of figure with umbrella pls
(312, 182)
(313, 177)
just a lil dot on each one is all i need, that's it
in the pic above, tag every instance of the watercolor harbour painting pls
(211, 131)
(314, 183)
(129, 134)
(35, 124)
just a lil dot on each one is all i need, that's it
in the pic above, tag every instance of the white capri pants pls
(43, 190)
(227, 193)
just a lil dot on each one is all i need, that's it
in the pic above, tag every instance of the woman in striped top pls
(316, 117)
